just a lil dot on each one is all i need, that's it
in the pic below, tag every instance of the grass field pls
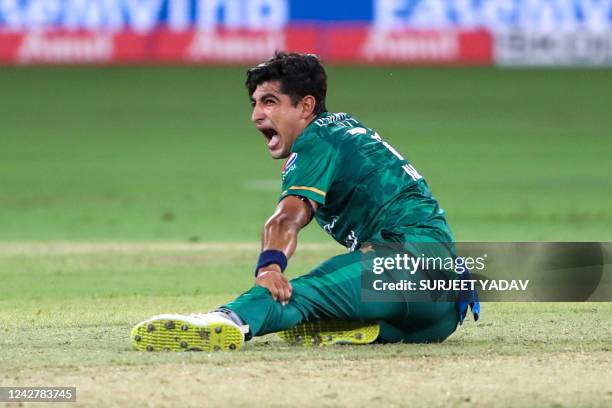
(129, 192)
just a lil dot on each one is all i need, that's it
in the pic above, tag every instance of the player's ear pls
(308, 105)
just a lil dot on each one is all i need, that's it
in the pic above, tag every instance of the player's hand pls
(271, 278)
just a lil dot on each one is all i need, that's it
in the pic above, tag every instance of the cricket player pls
(361, 191)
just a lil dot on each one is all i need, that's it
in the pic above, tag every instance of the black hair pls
(298, 74)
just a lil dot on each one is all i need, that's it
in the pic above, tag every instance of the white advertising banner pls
(524, 48)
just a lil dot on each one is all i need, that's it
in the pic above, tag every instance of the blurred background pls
(483, 32)
(127, 120)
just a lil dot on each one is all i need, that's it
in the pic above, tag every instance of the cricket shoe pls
(196, 332)
(328, 332)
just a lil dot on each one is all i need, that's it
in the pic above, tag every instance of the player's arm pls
(279, 241)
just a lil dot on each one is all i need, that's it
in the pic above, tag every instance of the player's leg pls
(332, 291)
(429, 320)
(425, 322)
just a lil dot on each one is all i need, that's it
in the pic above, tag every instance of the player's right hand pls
(271, 278)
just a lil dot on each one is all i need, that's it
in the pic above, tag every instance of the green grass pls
(147, 158)
(66, 315)
(169, 153)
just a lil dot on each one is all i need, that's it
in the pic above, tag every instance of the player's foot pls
(197, 332)
(331, 332)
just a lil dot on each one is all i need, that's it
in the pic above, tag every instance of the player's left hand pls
(271, 278)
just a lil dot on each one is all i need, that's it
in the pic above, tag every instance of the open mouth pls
(271, 136)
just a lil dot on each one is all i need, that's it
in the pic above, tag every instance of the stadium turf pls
(169, 154)
(66, 311)
(126, 192)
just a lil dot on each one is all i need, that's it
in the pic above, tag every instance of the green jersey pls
(366, 190)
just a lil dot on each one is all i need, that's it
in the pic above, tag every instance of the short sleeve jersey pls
(366, 190)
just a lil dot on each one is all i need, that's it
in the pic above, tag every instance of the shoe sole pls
(330, 332)
(181, 335)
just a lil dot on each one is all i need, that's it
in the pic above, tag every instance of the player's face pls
(276, 118)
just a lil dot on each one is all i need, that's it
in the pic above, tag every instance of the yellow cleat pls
(330, 332)
(198, 332)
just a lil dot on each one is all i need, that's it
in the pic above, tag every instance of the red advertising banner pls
(409, 46)
(341, 44)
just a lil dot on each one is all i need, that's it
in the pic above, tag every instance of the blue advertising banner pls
(146, 15)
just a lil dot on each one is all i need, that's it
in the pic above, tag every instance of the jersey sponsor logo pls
(290, 161)
(351, 241)
(289, 165)
(330, 226)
